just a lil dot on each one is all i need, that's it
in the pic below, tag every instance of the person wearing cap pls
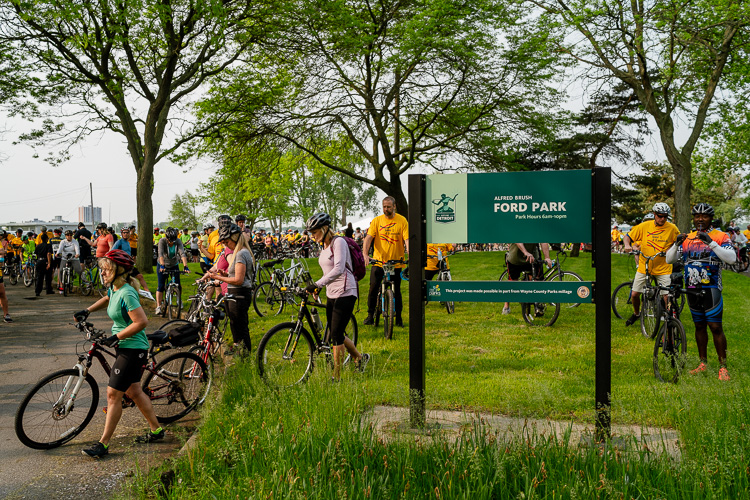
(239, 279)
(68, 250)
(170, 252)
(131, 347)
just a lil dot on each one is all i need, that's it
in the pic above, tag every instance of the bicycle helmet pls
(68, 233)
(224, 220)
(171, 234)
(121, 258)
(240, 217)
(3, 234)
(662, 208)
(703, 208)
(101, 225)
(225, 232)
(648, 216)
(207, 225)
(44, 229)
(317, 221)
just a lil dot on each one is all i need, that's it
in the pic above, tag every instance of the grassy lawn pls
(308, 442)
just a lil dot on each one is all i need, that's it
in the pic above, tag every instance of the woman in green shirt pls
(124, 308)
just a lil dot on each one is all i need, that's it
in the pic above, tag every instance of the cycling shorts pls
(515, 270)
(639, 282)
(339, 313)
(128, 368)
(708, 307)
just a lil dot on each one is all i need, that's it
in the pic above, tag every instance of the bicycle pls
(213, 328)
(444, 274)
(270, 297)
(287, 353)
(385, 304)
(12, 271)
(90, 279)
(541, 313)
(670, 347)
(29, 270)
(63, 403)
(173, 294)
(66, 278)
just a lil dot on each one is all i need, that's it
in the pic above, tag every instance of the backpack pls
(359, 268)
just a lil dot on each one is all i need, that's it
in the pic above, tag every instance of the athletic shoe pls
(157, 312)
(7, 318)
(362, 363)
(96, 450)
(723, 373)
(368, 320)
(506, 310)
(150, 436)
(632, 319)
(701, 369)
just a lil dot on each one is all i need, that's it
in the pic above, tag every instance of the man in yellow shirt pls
(16, 246)
(389, 236)
(133, 240)
(616, 237)
(655, 236)
(431, 269)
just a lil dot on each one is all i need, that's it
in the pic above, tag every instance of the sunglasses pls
(661, 215)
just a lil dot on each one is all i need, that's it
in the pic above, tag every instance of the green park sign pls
(508, 207)
(510, 291)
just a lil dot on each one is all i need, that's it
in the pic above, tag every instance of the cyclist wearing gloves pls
(341, 290)
(238, 278)
(389, 235)
(654, 236)
(170, 253)
(68, 246)
(703, 252)
(128, 335)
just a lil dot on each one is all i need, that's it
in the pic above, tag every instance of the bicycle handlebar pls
(91, 332)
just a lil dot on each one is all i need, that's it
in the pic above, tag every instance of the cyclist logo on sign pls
(445, 213)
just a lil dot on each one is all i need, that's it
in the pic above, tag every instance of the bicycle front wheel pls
(389, 313)
(177, 385)
(51, 414)
(622, 302)
(649, 316)
(174, 302)
(540, 313)
(670, 351)
(28, 275)
(268, 300)
(285, 358)
(13, 278)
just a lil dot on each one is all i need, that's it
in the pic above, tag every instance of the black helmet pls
(240, 217)
(170, 234)
(44, 229)
(101, 225)
(703, 208)
(224, 220)
(225, 232)
(317, 221)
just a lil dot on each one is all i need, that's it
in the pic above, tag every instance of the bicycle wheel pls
(285, 358)
(65, 282)
(28, 275)
(540, 313)
(84, 283)
(566, 276)
(650, 312)
(670, 350)
(389, 313)
(51, 415)
(13, 276)
(200, 351)
(378, 309)
(268, 300)
(174, 302)
(174, 396)
(503, 276)
(622, 303)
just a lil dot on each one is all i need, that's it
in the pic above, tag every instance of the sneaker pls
(150, 436)
(7, 318)
(158, 311)
(362, 363)
(96, 450)
(701, 369)
(368, 320)
(399, 322)
(723, 373)
(632, 319)
(506, 310)
(232, 350)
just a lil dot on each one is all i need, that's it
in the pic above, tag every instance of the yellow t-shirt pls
(16, 245)
(389, 237)
(214, 247)
(654, 239)
(746, 232)
(133, 240)
(615, 235)
(432, 253)
(38, 240)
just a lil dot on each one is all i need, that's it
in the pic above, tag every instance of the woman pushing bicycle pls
(341, 290)
(129, 320)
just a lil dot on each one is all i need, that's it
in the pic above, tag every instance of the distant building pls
(84, 214)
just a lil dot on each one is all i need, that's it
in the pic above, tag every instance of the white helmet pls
(648, 216)
(662, 208)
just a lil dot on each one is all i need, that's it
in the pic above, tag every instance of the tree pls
(184, 211)
(406, 82)
(636, 196)
(123, 67)
(673, 55)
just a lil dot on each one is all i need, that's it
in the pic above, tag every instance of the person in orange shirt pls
(133, 240)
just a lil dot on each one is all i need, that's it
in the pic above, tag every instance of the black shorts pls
(194, 252)
(514, 271)
(339, 313)
(128, 368)
(133, 252)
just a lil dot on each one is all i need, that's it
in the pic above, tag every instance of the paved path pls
(39, 341)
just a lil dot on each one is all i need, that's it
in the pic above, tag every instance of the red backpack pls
(359, 268)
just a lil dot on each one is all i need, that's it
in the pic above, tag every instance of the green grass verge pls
(310, 442)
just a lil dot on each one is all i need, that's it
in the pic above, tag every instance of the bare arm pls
(140, 322)
(366, 247)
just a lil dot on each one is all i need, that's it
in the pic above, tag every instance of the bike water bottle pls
(316, 319)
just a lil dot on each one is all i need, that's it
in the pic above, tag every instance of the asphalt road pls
(40, 341)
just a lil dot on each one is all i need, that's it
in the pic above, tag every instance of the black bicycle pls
(385, 305)
(670, 347)
(287, 353)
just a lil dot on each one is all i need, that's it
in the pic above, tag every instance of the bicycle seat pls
(159, 337)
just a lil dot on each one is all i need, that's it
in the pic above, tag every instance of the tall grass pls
(316, 441)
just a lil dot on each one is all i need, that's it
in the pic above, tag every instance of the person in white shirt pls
(68, 250)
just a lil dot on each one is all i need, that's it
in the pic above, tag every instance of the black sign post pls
(417, 293)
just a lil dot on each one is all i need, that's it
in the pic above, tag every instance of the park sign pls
(510, 291)
(509, 207)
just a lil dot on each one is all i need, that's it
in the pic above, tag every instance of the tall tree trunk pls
(145, 210)
(683, 184)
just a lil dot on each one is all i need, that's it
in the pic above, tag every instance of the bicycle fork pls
(73, 393)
